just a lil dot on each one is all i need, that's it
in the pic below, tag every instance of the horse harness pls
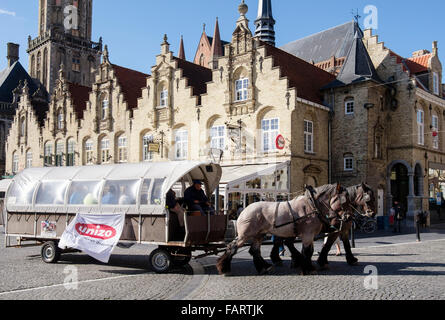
(326, 220)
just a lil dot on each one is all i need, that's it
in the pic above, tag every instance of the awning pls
(235, 175)
(4, 184)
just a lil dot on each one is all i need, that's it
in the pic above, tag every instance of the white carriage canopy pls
(244, 185)
(126, 188)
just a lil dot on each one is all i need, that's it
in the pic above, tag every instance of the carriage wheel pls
(370, 227)
(160, 260)
(50, 252)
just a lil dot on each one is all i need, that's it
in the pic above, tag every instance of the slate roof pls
(358, 66)
(324, 45)
(305, 77)
(196, 75)
(131, 83)
(80, 96)
(10, 79)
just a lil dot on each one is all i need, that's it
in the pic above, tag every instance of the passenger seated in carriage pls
(196, 199)
(174, 206)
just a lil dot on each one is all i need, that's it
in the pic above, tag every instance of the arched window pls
(59, 153)
(105, 150)
(217, 137)
(435, 129)
(33, 66)
(28, 159)
(105, 107)
(71, 149)
(22, 127)
(420, 127)
(270, 129)
(60, 120)
(15, 162)
(89, 152)
(39, 65)
(45, 66)
(202, 60)
(181, 144)
(147, 139)
(48, 154)
(122, 151)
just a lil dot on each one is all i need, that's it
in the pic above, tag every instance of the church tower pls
(64, 38)
(265, 22)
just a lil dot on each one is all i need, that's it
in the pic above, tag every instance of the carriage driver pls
(196, 199)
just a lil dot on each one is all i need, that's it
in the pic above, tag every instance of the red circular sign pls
(280, 142)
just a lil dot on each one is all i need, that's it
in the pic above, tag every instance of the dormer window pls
(241, 87)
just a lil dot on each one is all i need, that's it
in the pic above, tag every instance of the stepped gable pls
(305, 77)
(131, 83)
(80, 95)
(196, 75)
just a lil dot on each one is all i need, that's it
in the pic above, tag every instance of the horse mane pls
(324, 189)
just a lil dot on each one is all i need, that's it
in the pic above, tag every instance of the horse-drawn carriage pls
(41, 202)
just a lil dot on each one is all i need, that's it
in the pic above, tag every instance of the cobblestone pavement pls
(405, 270)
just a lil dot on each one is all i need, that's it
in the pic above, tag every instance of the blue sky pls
(134, 29)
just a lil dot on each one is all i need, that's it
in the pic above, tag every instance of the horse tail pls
(223, 264)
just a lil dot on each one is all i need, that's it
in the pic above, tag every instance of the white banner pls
(95, 235)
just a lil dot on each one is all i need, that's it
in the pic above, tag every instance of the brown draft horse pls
(362, 201)
(296, 218)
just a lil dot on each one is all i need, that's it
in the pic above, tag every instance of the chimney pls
(13, 53)
(435, 48)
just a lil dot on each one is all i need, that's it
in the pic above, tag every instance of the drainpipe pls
(331, 116)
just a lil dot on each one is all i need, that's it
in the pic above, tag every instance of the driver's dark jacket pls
(191, 195)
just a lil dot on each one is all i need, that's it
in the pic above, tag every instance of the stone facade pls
(62, 41)
(178, 105)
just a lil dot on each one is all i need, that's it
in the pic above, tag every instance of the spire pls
(358, 66)
(181, 54)
(217, 49)
(265, 22)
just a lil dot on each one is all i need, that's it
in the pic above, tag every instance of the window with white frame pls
(15, 163)
(70, 155)
(48, 154)
(308, 136)
(105, 150)
(163, 101)
(270, 131)
(217, 137)
(60, 120)
(105, 107)
(122, 153)
(435, 128)
(241, 89)
(349, 163)
(181, 144)
(59, 153)
(28, 159)
(436, 83)
(420, 127)
(349, 106)
(146, 141)
(89, 152)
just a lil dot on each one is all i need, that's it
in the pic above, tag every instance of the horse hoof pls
(323, 268)
(353, 262)
(229, 274)
(313, 273)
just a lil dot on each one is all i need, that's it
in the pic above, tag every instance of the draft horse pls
(302, 217)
